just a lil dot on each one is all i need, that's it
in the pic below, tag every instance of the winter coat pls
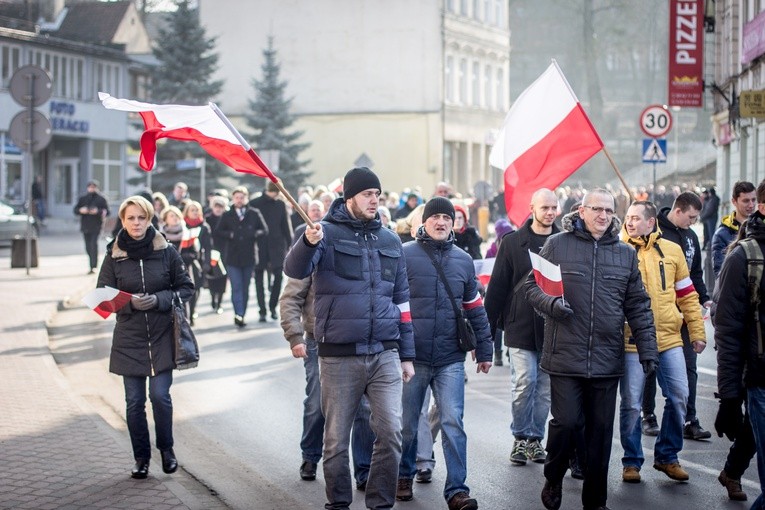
(241, 250)
(92, 223)
(362, 292)
(723, 236)
(296, 310)
(435, 325)
(508, 310)
(470, 241)
(668, 283)
(739, 363)
(502, 227)
(142, 343)
(689, 243)
(602, 285)
(273, 246)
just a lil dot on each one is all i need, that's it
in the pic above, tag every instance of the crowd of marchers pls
(378, 285)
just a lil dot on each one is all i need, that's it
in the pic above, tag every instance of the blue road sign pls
(654, 150)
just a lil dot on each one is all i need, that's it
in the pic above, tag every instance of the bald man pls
(508, 310)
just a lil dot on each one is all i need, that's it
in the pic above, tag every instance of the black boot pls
(169, 462)
(140, 469)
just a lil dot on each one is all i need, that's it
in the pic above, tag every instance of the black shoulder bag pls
(465, 333)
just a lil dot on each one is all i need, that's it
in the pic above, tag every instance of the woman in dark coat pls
(465, 236)
(141, 262)
(216, 277)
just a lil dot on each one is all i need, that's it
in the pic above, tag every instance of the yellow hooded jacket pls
(668, 283)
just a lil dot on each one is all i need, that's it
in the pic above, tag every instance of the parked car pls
(14, 225)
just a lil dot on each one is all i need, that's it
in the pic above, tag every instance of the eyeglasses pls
(598, 210)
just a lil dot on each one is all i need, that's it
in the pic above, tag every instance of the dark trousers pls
(742, 450)
(649, 393)
(91, 247)
(274, 287)
(577, 404)
(161, 405)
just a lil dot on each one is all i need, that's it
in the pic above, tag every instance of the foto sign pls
(655, 121)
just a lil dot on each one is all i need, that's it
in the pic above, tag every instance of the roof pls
(95, 22)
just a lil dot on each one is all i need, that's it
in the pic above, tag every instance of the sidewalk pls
(57, 452)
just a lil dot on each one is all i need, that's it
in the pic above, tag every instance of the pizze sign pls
(686, 53)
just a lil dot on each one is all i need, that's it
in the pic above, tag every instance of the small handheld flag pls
(106, 300)
(547, 275)
(483, 269)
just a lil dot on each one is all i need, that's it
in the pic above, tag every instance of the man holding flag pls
(583, 348)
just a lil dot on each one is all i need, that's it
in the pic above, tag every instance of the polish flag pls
(205, 125)
(106, 300)
(483, 269)
(546, 136)
(547, 275)
(189, 237)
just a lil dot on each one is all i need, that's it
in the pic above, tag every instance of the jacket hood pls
(730, 221)
(572, 222)
(755, 226)
(338, 213)
(663, 220)
(159, 242)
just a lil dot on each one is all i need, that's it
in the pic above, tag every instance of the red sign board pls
(753, 42)
(686, 53)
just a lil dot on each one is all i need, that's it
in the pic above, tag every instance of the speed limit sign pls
(655, 121)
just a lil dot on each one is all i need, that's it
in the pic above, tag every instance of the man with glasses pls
(583, 349)
(675, 224)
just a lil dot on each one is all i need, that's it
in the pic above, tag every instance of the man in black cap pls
(439, 362)
(364, 333)
(92, 208)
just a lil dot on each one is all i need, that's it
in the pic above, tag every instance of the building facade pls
(417, 87)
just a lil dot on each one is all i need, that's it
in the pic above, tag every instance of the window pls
(463, 81)
(476, 84)
(449, 79)
(450, 5)
(488, 12)
(500, 89)
(477, 10)
(107, 167)
(9, 62)
(487, 74)
(464, 7)
(499, 13)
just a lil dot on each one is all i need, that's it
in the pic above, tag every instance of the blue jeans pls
(448, 385)
(344, 380)
(161, 405)
(531, 395)
(240, 287)
(427, 430)
(671, 375)
(312, 441)
(756, 405)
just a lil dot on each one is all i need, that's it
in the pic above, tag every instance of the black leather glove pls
(560, 310)
(730, 417)
(649, 367)
(145, 302)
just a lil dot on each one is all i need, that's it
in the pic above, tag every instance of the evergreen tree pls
(184, 76)
(270, 117)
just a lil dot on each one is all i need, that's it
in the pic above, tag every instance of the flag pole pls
(260, 163)
(618, 173)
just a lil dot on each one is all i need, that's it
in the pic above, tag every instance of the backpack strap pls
(754, 267)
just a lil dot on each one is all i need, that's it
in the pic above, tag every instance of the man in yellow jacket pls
(673, 299)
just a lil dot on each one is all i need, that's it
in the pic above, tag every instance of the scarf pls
(137, 249)
(193, 223)
(173, 234)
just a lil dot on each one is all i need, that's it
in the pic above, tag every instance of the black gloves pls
(560, 310)
(729, 418)
(146, 302)
(649, 367)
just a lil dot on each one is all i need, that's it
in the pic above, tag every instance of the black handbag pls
(465, 332)
(184, 341)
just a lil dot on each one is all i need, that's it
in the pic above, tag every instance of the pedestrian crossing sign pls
(654, 150)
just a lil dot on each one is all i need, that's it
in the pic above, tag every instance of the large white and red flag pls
(547, 275)
(205, 125)
(483, 269)
(106, 300)
(546, 136)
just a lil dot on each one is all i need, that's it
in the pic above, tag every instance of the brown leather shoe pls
(404, 489)
(733, 486)
(673, 470)
(631, 474)
(462, 501)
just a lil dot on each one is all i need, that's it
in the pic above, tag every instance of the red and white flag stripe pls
(106, 300)
(547, 275)
(483, 269)
(406, 314)
(684, 287)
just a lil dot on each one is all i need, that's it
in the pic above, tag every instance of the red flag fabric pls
(106, 300)
(483, 269)
(199, 124)
(546, 136)
(547, 275)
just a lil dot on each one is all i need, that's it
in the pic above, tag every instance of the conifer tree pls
(271, 118)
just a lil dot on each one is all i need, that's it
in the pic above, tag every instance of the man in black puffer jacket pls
(584, 340)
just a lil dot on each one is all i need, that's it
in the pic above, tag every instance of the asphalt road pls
(238, 421)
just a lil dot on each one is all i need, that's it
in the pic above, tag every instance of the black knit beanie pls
(359, 179)
(438, 205)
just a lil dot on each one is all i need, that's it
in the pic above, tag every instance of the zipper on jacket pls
(592, 308)
(146, 317)
(371, 291)
(663, 276)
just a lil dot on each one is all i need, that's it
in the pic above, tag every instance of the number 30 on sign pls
(655, 121)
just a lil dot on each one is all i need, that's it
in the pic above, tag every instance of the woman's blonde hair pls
(139, 202)
(189, 205)
(170, 209)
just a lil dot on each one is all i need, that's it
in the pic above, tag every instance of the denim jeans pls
(274, 287)
(448, 385)
(312, 441)
(691, 373)
(756, 405)
(240, 287)
(671, 375)
(531, 395)
(161, 405)
(344, 380)
(426, 434)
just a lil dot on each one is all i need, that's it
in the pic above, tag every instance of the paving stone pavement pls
(56, 451)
